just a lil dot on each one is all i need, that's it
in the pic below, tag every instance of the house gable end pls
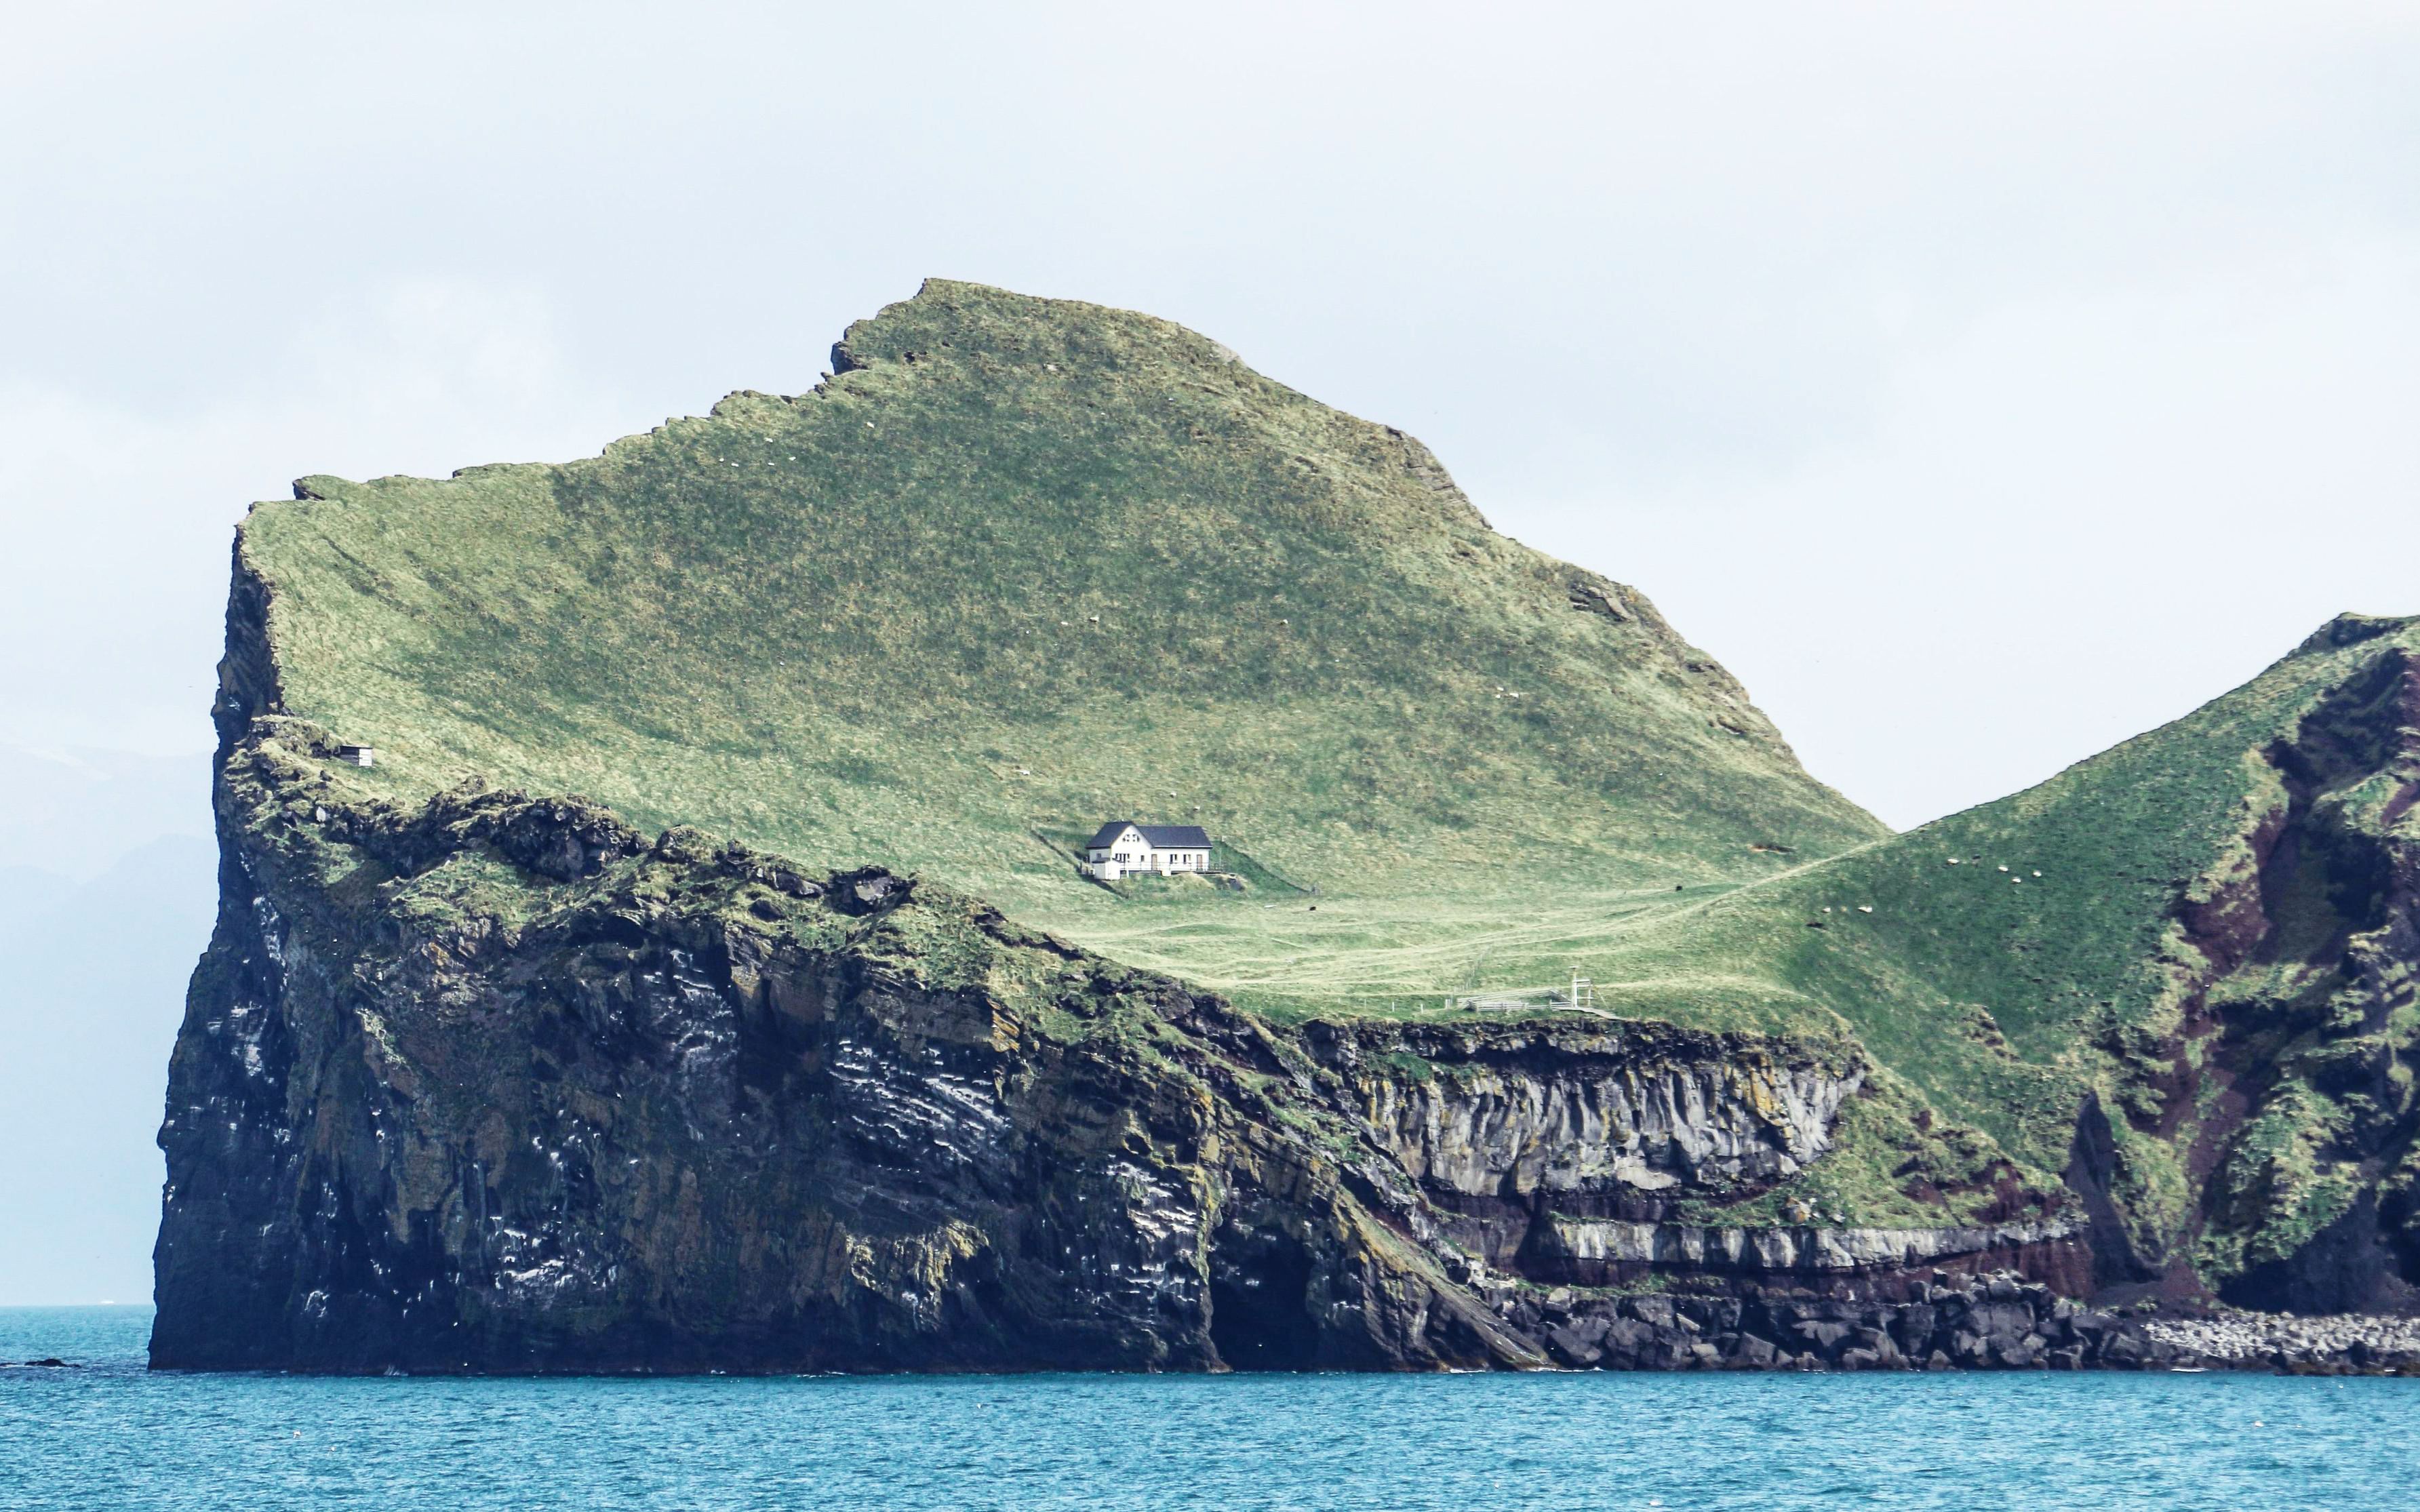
(1116, 833)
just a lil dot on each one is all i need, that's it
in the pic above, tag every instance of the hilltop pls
(1018, 566)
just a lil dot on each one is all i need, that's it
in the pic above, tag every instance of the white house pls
(1119, 848)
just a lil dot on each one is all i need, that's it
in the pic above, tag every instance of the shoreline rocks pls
(2333, 1344)
(1998, 1321)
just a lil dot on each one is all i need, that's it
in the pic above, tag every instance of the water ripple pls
(110, 1435)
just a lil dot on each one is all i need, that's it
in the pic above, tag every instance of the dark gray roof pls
(1162, 837)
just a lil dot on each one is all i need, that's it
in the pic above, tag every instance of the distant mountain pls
(26, 892)
(106, 880)
(92, 980)
(72, 811)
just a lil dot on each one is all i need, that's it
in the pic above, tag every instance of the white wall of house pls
(1130, 852)
(1180, 860)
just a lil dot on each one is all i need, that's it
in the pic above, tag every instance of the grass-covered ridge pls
(2207, 928)
(2002, 938)
(1023, 566)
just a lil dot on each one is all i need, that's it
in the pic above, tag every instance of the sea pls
(106, 1433)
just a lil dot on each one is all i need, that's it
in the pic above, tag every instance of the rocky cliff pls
(2264, 1119)
(491, 1082)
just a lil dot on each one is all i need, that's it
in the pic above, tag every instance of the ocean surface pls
(108, 1434)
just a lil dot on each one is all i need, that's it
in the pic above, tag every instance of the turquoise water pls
(110, 1435)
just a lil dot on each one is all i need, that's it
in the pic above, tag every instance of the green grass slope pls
(2207, 927)
(1023, 566)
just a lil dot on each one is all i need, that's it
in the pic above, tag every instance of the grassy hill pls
(2208, 929)
(1023, 566)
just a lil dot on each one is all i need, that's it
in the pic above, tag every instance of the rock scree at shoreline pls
(1997, 1322)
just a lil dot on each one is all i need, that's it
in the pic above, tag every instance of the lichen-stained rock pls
(1641, 1108)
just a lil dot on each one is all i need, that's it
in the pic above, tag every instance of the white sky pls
(1982, 385)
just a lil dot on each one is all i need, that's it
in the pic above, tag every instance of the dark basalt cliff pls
(494, 1083)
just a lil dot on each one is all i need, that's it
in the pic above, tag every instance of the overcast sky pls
(1982, 385)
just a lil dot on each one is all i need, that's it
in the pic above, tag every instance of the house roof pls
(1162, 837)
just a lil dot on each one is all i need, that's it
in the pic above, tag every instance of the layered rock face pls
(1581, 1117)
(1609, 1157)
(494, 1083)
